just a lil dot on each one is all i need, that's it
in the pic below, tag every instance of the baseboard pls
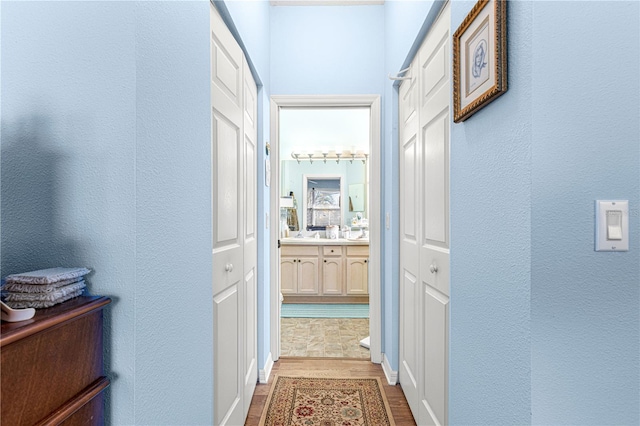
(265, 372)
(392, 376)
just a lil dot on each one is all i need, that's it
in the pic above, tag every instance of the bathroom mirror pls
(306, 134)
(356, 197)
(323, 195)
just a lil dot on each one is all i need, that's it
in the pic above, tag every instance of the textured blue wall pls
(174, 309)
(490, 353)
(68, 158)
(105, 163)
(327, 50)
(585, 146)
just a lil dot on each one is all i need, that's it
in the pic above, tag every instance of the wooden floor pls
(332, 367)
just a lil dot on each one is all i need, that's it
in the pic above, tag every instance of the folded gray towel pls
(40, 288)
(47, 276)
(39, 304)
(44, 300)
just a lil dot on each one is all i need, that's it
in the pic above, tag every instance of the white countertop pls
(311, 241)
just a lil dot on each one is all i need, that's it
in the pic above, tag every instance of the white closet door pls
(435, 93)
(250, 368)
(227, 152)
(424, 227)
(409, 240)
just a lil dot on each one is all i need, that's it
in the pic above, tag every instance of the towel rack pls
(397, 76)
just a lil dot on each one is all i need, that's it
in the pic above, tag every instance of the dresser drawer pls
(48, 363)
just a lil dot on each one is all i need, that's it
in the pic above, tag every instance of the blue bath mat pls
(325, 310)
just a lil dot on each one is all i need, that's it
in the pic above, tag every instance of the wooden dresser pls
(51, 369)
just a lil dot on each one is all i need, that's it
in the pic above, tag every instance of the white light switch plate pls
(612, 236)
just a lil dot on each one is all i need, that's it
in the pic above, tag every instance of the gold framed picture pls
(479, 58)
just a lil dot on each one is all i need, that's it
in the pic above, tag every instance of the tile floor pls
(323, 337)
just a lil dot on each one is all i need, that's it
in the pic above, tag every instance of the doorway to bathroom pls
(325, 268)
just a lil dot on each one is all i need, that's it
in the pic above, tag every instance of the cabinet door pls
(332, 276)
(357, 276)
(308, 274)
(288, 275)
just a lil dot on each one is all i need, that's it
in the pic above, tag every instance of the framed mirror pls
(323, 195)
(356, 197)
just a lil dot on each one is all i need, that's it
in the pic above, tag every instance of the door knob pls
(433, 268)
(228, 267)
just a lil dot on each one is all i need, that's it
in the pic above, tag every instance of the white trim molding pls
(327, 2)
(390, 374)
(264, 373)
(375, 242)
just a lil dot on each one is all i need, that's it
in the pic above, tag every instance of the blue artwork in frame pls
(479, 58)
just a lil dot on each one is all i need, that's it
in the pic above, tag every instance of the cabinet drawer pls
(332, 250)
(42, 377)
(299, 250)
(361, 251)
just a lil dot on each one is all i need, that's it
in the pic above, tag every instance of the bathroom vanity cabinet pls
(329, 271)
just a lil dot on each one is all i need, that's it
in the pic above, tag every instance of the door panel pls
(288, 275)
(226, 182)
(409, 243)
(332, 276)
(436, 342)
(308, 274)
(233, 280)
(435, 160)
(409, 324)
(424, 227)
(250, 367)
(408, 188)
(227, 396)
(357, 276)
(435, 88)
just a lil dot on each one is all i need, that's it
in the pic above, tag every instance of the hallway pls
(331, 368)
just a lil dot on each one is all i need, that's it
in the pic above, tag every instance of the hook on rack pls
(397, 77)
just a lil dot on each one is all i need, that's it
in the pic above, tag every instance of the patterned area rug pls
(321, 401)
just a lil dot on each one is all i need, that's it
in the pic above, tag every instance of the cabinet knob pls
(325, 261)
(433, 268)
(331, 251)
(366, 261)
(228, 267)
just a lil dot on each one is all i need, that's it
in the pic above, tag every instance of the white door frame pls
(375, 246)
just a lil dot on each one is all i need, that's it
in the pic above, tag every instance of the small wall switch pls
(612, 225)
